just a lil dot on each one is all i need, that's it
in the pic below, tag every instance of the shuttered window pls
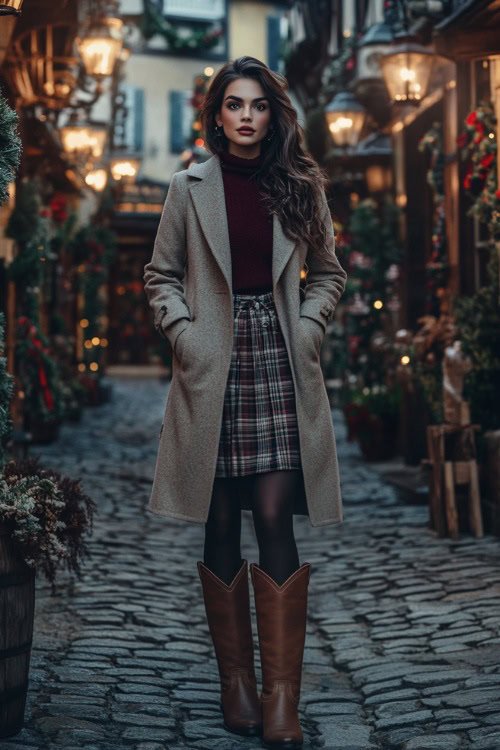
(134, 124)
(273, 42)
(181, 119)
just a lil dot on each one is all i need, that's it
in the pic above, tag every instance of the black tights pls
(272, 495)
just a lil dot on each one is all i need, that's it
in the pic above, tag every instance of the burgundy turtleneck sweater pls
(250, 226)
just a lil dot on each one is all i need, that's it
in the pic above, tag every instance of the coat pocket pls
(180, 342)
(313, 332)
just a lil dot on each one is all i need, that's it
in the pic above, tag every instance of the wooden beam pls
(465, 44)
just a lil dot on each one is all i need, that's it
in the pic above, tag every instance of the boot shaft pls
(228, 616)
(281, 621)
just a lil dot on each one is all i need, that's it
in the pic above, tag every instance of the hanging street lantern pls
(374, 154)
(407, 67)
(100, 46)
(378, 178)
(10, 7)
(97, 179)
(125, 168)
(345, 117)
(83, 141)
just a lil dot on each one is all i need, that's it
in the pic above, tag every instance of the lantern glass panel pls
(345, 126)
(378, 178)
(83, 139)
(97, 179)
(125, 170)
(101, 45)
(99, 55)
(407, 74)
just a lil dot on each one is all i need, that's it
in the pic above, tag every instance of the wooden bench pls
(452, 455)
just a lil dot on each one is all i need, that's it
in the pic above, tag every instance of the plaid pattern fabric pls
(259, 423)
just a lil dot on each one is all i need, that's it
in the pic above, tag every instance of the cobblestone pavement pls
(403, 643)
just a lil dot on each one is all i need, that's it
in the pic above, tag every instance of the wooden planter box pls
(490, 499)
(17, 610)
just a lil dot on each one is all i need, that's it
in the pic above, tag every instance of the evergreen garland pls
(478, 320)
(153, 22)
(93, 249)
(478, 143)
(10, 148)
(437, 267)
(39, 374)
(30, 229)
(393, 16)
(6, 391)
(339, 72)
(372, 253)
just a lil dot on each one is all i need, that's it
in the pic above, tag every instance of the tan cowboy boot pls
(228, 615)
(281, 623)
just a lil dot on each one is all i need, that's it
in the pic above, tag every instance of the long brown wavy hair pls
(290, 181)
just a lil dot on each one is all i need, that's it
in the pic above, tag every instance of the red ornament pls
(486, 160)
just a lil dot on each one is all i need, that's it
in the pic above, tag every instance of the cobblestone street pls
(403, 640)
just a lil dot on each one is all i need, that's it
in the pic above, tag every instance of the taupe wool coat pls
(189, 287)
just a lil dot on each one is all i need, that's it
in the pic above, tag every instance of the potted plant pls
(44, 518)
(43, 521)
(372, 417)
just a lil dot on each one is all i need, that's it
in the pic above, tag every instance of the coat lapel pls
(209, 201)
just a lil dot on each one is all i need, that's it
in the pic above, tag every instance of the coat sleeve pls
(164, 274)
(326, 279)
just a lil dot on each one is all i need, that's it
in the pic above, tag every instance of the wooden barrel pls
(17, 610)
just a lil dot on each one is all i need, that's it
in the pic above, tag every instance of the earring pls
(270, 134)
(219, 130)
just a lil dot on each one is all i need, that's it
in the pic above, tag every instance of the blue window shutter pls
(273, 41)
(176, 100)
(138, 119)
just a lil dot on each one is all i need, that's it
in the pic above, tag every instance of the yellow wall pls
(157, 75)
(247, 27)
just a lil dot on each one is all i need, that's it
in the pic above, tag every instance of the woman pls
(248, 423)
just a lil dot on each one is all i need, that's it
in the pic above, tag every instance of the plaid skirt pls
(259, 424)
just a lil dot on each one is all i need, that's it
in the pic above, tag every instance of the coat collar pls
(207, 191)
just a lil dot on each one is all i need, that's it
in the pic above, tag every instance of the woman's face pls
(244, 105)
